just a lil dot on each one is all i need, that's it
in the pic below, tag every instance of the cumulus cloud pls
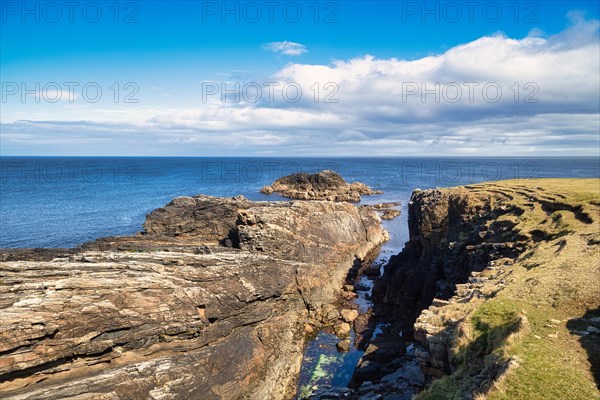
(286, 48)
(496, 95)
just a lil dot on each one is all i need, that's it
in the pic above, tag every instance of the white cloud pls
(374, 115)
(286, 48)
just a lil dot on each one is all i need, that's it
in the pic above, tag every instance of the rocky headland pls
(211, 301)
(325, 185)
(496, 295)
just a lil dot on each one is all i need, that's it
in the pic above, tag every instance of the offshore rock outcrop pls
(210, 302)
(325, 185)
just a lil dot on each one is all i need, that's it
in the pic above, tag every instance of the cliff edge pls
(502, 282)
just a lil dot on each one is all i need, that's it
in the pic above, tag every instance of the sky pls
(300, 78)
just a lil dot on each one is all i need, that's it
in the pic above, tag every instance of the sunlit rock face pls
(210, 302)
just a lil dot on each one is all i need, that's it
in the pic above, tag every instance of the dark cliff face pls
(489, 269)
(452, 234)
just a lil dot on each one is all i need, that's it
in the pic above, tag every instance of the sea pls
(66, 201)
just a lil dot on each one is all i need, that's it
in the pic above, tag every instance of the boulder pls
(342, 330)
(349, 315)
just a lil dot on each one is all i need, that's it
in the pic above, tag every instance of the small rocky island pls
(325, 185)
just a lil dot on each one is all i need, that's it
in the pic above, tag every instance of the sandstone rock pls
(343, 345)
(266, 189)
(325, 185)
(199, 216)
(342, 330)
(333, 314)
(308, 328)
(349, 315)
(389, 214)
(383, 206)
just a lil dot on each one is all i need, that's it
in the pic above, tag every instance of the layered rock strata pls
(209, 302)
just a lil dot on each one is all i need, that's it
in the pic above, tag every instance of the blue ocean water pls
(66, 201)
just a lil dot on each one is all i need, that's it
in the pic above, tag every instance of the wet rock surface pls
(211, 301)
(325, 185)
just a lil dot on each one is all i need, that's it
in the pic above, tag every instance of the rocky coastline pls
(492, 276)
(212, 300)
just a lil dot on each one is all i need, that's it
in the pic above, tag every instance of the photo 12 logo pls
(268, 92)
(52, 12)
(252, 12)
(525, 12)
(471, 92)
(257, 172)
(67, 172)
(71, 92)
(452, 173)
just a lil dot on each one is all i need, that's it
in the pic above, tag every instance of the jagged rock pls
(349, 315)
(472, 245)
(200, 216)
(171, 313)
(325, 185)
(332, 393)
(389, 214)
(342, 330)
(343, 345)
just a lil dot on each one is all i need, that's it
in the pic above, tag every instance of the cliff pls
(211, 301)
(502, 282)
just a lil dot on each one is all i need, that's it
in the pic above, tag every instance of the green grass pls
(556, 279)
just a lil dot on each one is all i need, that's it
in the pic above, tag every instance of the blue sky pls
(372, 53)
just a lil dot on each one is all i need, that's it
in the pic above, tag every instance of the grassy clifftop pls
(532, 329)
